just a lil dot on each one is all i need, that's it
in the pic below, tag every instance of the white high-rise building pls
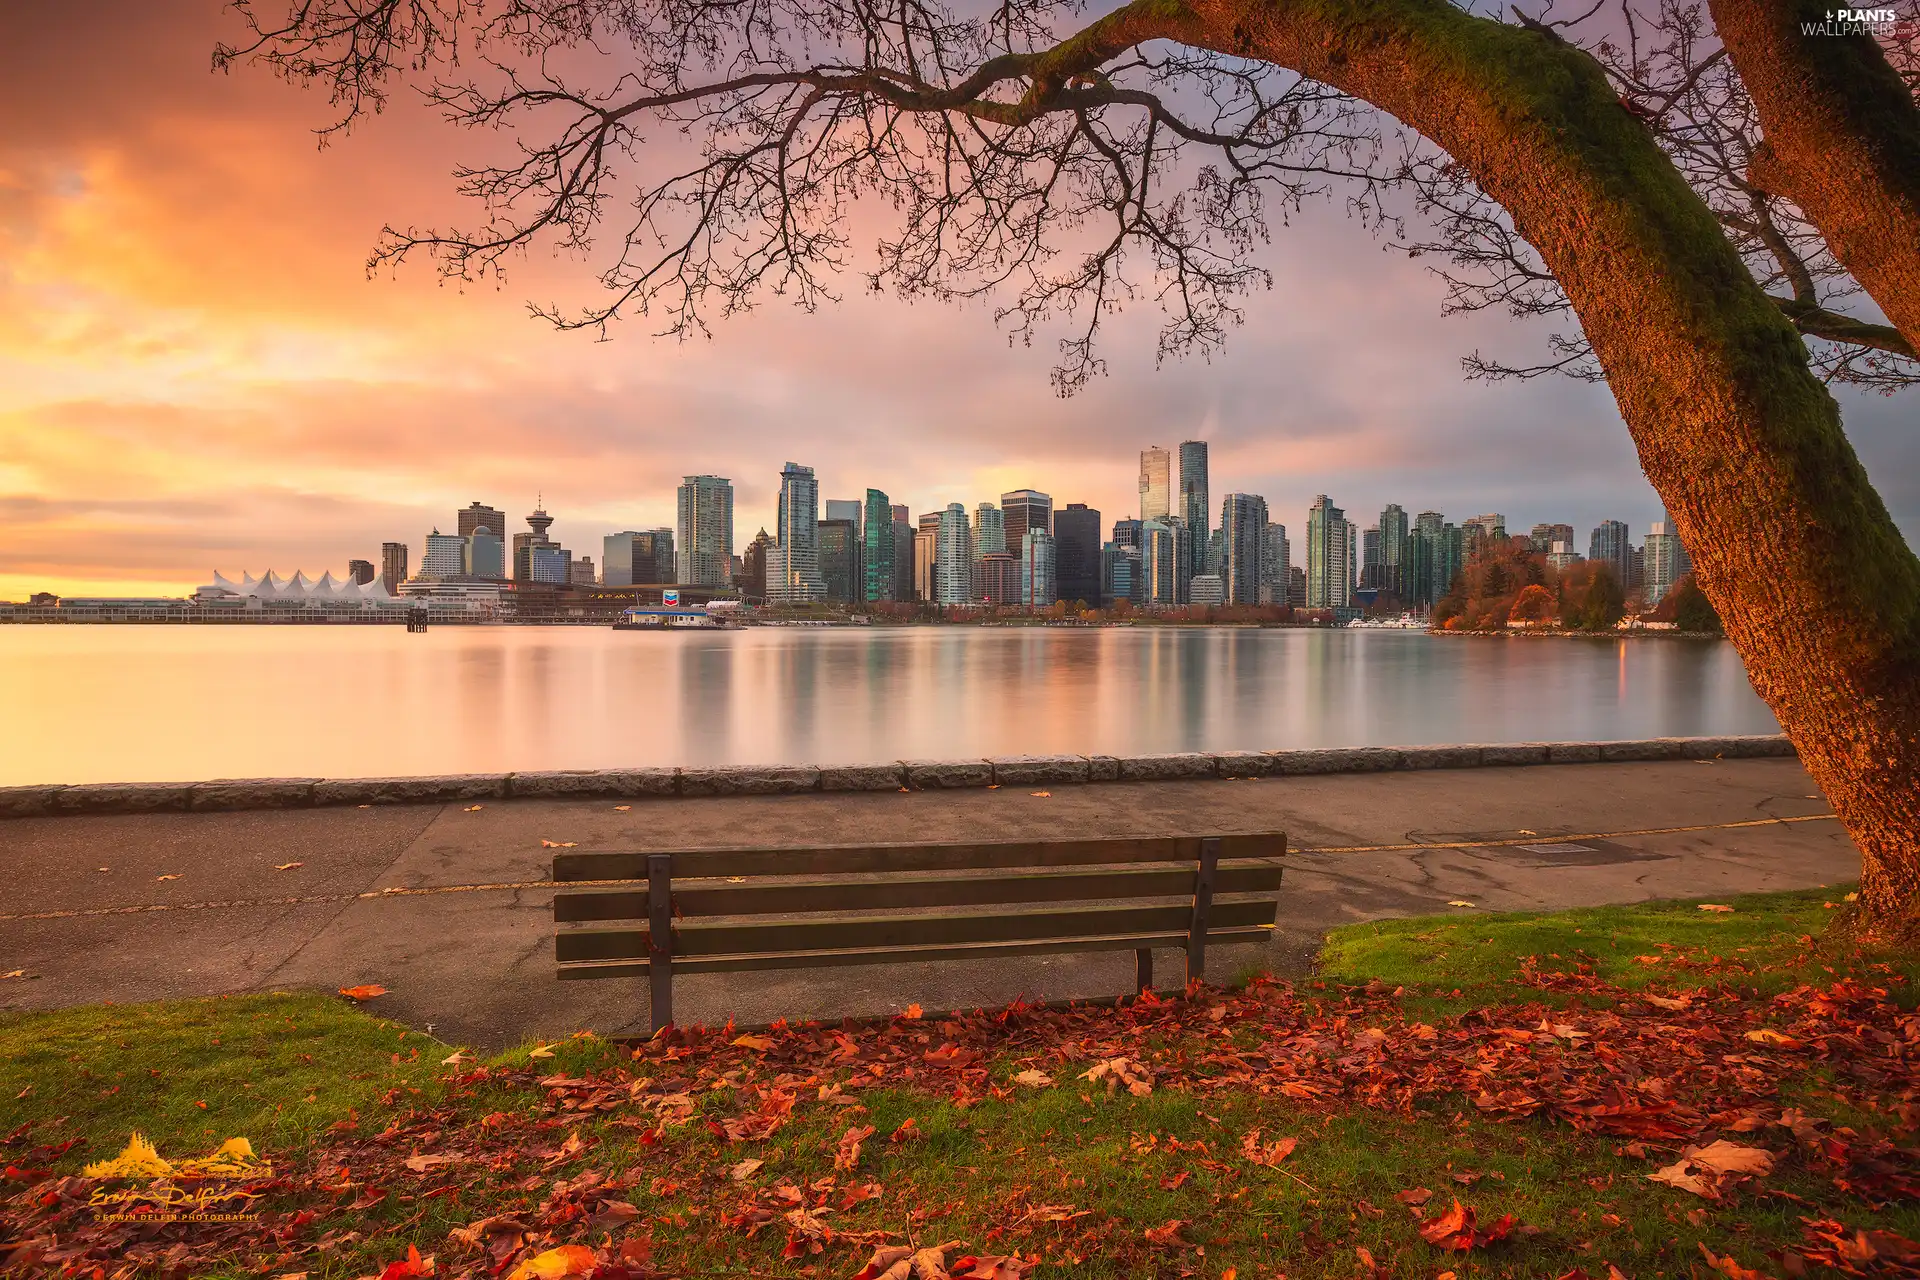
(705, 535)
(793, 565)
(953, 557)
(1156, 483)
(989, 530)
(446, 556)
(1665, 559)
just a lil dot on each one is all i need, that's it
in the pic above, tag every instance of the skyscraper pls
(360, 571)
(485, 553)
(1370, 571)
(1024, 510)
(1039, 585)
(926, 558)
(989, 530)
(632, 557)
(997, 578)
(1276, 564)
(902, 553)
(840, 567)
(446, 556)
(1329, 556)
(1076, 548)
(1159, 546)
(474, 516)
(1611, 543)
(1119, 572)
(1194, 508)
(393, 565)
(1126, 533)
(1483, 528)
(953, 563)
(1393, 549)
(1666, 559)
(629, 557)
(1182, 557)
(1542, 537)
(843, 509)
(616, 558)
(1243, 527)
(524, 543)
(1156, 485)
(753, 567)
(793, 568)
(878, 540)
(705, 531)
(549, 562)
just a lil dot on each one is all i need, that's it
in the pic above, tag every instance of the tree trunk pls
(1819, 593)
(1842, 141)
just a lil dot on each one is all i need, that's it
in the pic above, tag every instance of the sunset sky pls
(196, 372)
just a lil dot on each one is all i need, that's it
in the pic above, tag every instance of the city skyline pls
(195, 371)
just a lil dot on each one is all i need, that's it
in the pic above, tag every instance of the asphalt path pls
(449, 908)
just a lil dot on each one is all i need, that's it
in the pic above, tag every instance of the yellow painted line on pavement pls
(318, 898)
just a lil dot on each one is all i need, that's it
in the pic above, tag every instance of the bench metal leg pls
(660, 937)
(1143, 970)
(1202, 904)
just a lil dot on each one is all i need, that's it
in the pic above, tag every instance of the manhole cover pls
(1558, 848)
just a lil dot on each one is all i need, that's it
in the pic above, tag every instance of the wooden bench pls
(707, 910)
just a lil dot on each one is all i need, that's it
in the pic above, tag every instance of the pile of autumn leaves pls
(1690, 1073)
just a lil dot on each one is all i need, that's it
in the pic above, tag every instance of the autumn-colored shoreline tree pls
(987, 133)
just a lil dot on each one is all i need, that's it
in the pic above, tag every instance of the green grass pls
(279, 1069)
(276, 1069)
(1767, 944)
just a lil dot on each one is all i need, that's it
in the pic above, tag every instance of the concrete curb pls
(230, 794)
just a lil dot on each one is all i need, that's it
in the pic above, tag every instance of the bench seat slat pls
(866, 932)
(864, 858)
(578, 905)
(590, 969)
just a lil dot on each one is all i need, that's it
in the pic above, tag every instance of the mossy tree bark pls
(1842, 141)
(1818, 591)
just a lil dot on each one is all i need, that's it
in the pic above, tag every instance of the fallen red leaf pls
(1454, 1230)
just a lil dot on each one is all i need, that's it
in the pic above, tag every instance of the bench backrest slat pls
(867, 858)
(791, 936)
(767, 898)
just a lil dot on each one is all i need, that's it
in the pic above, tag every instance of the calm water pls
(156, 703)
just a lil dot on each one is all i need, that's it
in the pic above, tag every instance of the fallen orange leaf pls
(1714, 906)
(366, 991)
(554, 1264)
(288, 866)
(847, 1155)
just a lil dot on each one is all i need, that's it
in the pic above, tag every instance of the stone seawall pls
(912, 775)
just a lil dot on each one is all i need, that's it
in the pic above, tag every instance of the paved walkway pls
(446, 907)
